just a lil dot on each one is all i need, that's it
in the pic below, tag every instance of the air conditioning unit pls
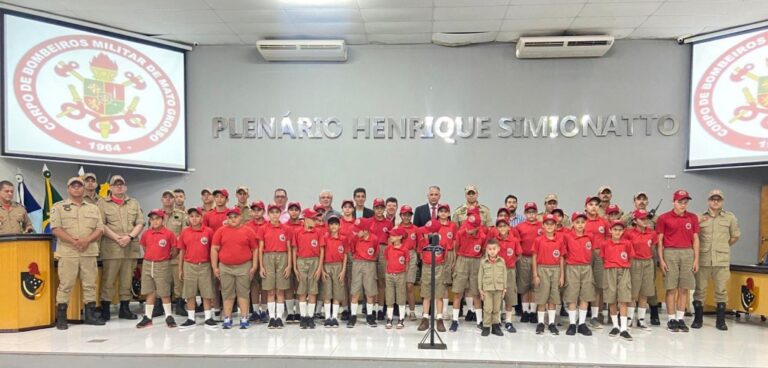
(563, 47)
(302, 50)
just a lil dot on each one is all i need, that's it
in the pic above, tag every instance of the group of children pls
(348, 261)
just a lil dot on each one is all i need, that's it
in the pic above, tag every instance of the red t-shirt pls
(321, 227)
(294, 227)
(275, 237)
(579, 248)
(411, 239)
(347, 227)
(196, 244)
(678, 230)
(471, 246)
(257, 225)
(397, 259)
(236, 244)
(215, 219)
(157, 244)
(548, 251)
(335, 247)
(642, 242)
(447, 235)
(599, 228)
(308, 243)
(509, 249)
(529, 231)
(365, 249)
(616, 254)
(380, 228)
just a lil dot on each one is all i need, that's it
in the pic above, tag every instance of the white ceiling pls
(242, 22)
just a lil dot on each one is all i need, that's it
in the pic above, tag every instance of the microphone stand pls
(431, 332)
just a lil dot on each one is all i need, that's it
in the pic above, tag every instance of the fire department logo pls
(281, 237)
(341, 249)
(370, 251)
(623, 255)
(471, 218)
(401, 260)
(540, 231)
(477, 248)
(413, 236)
(204, 240)
(162, 243)
(688, 226)
(589, 245)
(601, 229)
(385, 230)
(556, 253)
(32, 282)
(741, 124)
(749, 293)
(510, 252)
(449, 235)
(98, 94)
(313, 243)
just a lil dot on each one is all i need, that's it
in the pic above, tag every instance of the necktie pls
(434, 213)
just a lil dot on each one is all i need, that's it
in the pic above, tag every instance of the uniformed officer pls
(120, 248)
(77, 225)
(242, 194)
(174, 220)
(91, 188)
(13, 216)
(550, 204)
(605, 193)
(719, 231)
(471, 193)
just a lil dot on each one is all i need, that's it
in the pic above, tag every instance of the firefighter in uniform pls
(13, 216)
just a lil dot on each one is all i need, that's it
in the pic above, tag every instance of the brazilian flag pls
(51, 196)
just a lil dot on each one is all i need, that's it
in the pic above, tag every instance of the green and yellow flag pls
(51, 196)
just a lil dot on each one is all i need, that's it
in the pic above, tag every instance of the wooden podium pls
(26, 282)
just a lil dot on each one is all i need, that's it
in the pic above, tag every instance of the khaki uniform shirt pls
(79, 221)
(175, 221)
(14, 220)
(566, 220)
(714, 235)
(245, 213)
(121, 220)
(461, 214)
(92, 200)
(492, 276)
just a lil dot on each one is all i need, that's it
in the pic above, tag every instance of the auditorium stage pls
(121, 344)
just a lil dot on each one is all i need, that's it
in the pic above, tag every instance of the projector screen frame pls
(737, 31)
(103, 31)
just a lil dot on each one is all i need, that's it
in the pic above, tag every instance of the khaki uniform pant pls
(120, 270)
(69, 269)
(719, 275)
(491, 308)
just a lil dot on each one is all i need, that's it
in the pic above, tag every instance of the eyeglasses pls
(716, 199)
(281, 196)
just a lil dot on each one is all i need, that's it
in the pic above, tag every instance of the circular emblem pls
(413, 236)
(589, 245)
(556, 253)
(385, 230)
(162, 243)
(601, 229)
(623, 255)
(401, 260)
(738, 122)
(649, 243)
(341, 249)
(449, 235)
(370, 251)
(97, 94)
(204, 240)
(510, 252)
(313, 243)
(688, 226)
(477, 248)
(471, 218)
(281, 237)
(540, 231)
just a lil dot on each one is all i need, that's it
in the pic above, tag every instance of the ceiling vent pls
(563, 47)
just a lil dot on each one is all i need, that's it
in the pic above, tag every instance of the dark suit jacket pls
(422, 214)
(367, 212)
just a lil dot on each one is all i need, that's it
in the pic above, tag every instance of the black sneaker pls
(345, 315)
(380, 315)
(626, 336)
(388, 326)
(540, 328)
(334, 323)
(553, 329)
(303, 324)
(614, 332)
(571, 330)
(145, 322)
(187, 324)
(534, 318)
(327, 323)
(352, 321)
(271, 325)
(255, 317)
(486, 331)
(584, 330)
(469, 317)
(496, 329)
(170, 321)
(311, 323)
(509, 327)
(264, 317)
(279, 323)
(672, 326)
(525, 317)
(210, 323)
(681, 325)
(372, 322)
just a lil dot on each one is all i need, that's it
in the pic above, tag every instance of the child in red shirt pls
(578, 276)
(398, 257)
(307, 263)
(275, 261)
(257, 223)
(617, 281)
(598, 228)
(194, 245)
(528, 231)
(366, 251)
(642, 268)
(295, 224)
(410, 243)
(346, 229)
(470, 247)
(156, 270)
(509, 250)
(334, 272)
(548, 275)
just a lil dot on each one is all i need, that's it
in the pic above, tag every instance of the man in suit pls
(359, 196)
(427, 211)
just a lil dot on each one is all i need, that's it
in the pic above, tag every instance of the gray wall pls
(419, 80)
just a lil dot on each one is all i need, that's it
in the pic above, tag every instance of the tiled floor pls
(742, 346)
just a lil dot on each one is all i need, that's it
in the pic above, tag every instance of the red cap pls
(234, 211)
(347, 201)
(530, 206)
(273, 206)
(443, 205)
(309, 213)
(613, 208)
(549, 217)
(590, 199)
(319, 207)
(406, 209)
(640, 214)
(223, 192)
(503, 209)
(258, 204)
(378, 202)
(294, 204)
(157, 211)
(578, 214)
(618, 223)
(398, 231)
(363, 224)
(681, 194)
(195, 209)
(473, 220)
(502, 220)
(432, 226)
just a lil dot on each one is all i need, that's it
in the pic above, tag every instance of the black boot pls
(720, 323)
(158, 310)
(496, 329)
(181, 307)
(61, 316)
(698, 314)
(105, 310)
(91, 318)
(655, 315)
(125, 312)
